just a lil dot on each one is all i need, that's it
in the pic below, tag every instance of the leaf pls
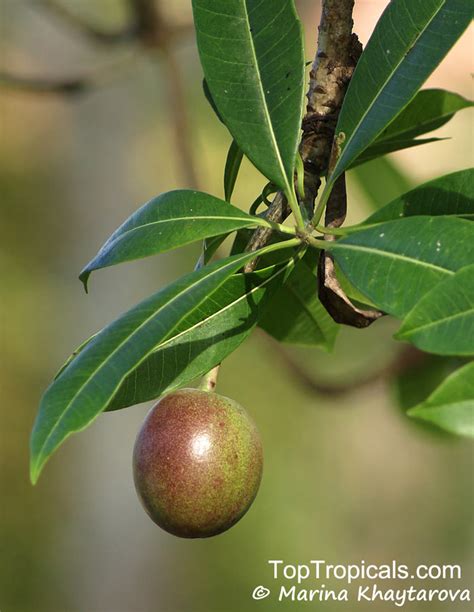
(378, 150)
(296, 316)
(412, 385)
(204, 339)
(452, 194)
(87, 385)
(408, 42)
(232, 167)
(171, 220)
(442, 322)
(395, 263)
(208, 96)
(429, 110)
(253, 61)
(451, 406)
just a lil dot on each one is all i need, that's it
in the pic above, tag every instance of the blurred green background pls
(346, 478)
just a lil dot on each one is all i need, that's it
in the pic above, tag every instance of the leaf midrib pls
(386, 82)
(427, 407)
(265, 107)
(247, 220)
(416, 330)
(388, 254)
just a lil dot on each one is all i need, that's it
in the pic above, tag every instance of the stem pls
(295, 208)
(277, 246)
(209, 380)
(315, 242)
(332, 231)
(279, 227)
(337, 54)
(318, 213)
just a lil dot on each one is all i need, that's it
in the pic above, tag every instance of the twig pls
(155, 33)
(67, 86)
(407, 358)
(72, 19)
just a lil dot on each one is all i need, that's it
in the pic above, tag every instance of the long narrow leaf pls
(451, 405)
(232, 167)
(171, 220)
(449, 195)
(395, 263)
(409, 41)
(443, 320)
(252, 55)
(87, 385)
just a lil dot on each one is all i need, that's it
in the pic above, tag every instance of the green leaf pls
(204, 339)
(232, 167)
(208, 96)
(451, 406)
(296, 316)
(408, 42)
(442, 322)
(452, 194)
(379, 149)
(413, 385)
(87, 385)
(171, 220)
(252, 56)
(429, 110)
(395, 263)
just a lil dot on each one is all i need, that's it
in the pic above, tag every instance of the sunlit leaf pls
(408, 42)
(252, 56)
(171, 220)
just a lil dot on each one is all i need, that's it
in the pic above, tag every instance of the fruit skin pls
(197, 463)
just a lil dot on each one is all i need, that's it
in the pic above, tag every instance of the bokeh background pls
(346, 478)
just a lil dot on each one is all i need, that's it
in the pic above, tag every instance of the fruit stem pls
(209, 380)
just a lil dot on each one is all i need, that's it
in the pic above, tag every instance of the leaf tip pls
(84, 278)
(35, 470)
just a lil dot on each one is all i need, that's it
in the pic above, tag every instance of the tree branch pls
(72, 20)
(37, 85)
(405, 359)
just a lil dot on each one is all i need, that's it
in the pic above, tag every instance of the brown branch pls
(406, 358)
(336, 56)
(154, 32)
(72, 20)
(38, 85)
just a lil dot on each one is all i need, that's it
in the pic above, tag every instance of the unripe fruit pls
(197, 463)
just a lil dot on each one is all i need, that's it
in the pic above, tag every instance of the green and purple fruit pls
(197, 463)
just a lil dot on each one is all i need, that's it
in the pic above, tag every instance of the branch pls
(155, 33)
(336, 56)
(72, 19)
(37, 85)
(407, 358)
